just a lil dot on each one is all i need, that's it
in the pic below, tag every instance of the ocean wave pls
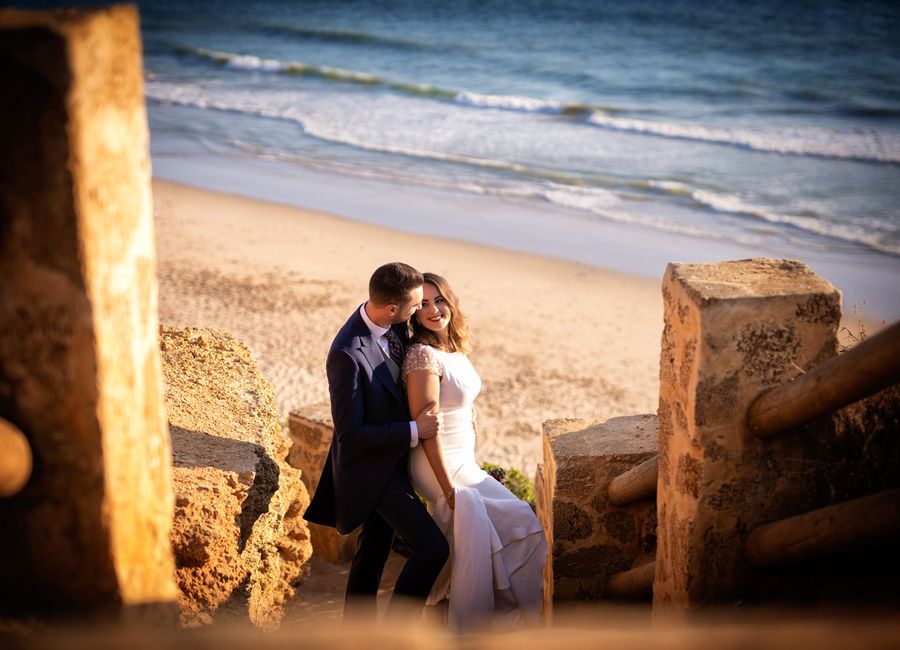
(197, 97)
(866, 234)
(597, 202)
(816, 225)
(189, 95)
(863, 145)
(557, 187)
(465, 98)
(386, 174)
(550, 185)
(608, 206)
(521, 104)
(255, 63)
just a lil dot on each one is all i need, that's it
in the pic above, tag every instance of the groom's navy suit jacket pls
(371, 429)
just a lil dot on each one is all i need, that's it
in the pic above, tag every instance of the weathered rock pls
(311, 430)
(731, 330)
(239, 538)
(79, 360)
(863, 458)
(590, 537)
(869, 448)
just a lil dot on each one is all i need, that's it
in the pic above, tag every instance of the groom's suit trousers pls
(398, 510)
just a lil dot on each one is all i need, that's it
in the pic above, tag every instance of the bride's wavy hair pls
(457, 330)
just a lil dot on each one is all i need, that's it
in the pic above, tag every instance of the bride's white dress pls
(497, 547)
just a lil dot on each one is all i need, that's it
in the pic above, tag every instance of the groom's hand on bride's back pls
(429, 422)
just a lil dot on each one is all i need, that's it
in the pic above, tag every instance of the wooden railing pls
(844, 527)
(634, 583)
(872, 365)
(637, 483)
(15, 459)
(632, 486)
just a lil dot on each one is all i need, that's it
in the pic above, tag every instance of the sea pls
(619, 134)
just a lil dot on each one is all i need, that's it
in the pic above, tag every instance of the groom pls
(365, 480)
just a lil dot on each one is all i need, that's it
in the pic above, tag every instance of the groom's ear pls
(393, 310)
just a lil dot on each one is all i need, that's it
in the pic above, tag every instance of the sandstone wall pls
(239, 538)
(79, 361)
(311, 430)
(590, 538)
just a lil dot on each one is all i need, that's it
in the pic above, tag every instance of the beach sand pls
(551, 338)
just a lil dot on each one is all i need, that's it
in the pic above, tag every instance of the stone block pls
(311, 430)
(544, 510)
(590, 537)
(79, 361)
(731, 330)
(240, 540)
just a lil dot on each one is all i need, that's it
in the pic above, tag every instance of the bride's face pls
(435, 313)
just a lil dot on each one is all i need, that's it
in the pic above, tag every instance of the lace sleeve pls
(422, 357)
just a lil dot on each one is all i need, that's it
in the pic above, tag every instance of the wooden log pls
(637, 483)
(828, 531)
(15, 459)
(870, 366)
(634, 583)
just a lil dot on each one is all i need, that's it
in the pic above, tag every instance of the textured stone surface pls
(79, 362)
(591, 538)
(239, 537)
(731, 330)
(311, 430)
(863, 458)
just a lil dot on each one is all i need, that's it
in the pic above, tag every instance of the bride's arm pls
(422, 388)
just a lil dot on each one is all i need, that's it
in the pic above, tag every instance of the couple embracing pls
(477, 546)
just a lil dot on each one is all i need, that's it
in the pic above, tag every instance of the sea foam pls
(544, 184)
(867, 145)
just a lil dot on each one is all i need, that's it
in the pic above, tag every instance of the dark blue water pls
(772, 126)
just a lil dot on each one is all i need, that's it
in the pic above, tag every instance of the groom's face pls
(411, 306)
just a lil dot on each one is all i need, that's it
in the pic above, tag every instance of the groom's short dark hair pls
(391, 283)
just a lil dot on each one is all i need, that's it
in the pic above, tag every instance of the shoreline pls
(868, 279)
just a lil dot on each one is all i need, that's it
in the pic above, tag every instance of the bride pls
(493, 579)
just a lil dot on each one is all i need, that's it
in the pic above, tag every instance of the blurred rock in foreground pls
(88, 534)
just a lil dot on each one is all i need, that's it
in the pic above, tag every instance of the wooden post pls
(15, 459)
(842, 527)
(634, 583)
(637, 483)
(870, 366)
